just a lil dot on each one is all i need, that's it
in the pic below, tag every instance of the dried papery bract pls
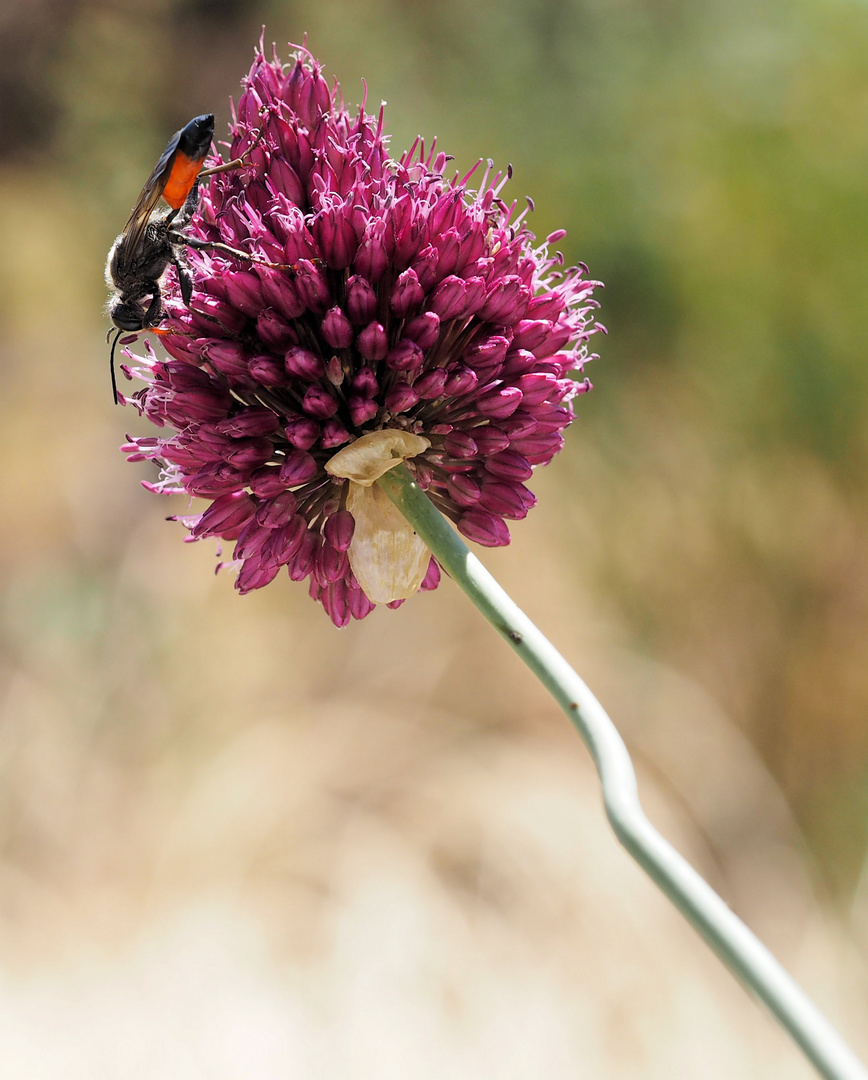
(388, 300)
(389, 560)
(387, 557)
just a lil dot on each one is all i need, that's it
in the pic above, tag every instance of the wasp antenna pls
(112, 367)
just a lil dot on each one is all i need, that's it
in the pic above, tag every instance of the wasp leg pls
(155, 309)
(185, 281)
(215, 245)
(235, 163)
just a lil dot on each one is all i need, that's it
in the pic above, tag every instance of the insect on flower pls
(151, 240)
(408, 316)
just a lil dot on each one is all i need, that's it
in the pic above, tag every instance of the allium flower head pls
(385, 298)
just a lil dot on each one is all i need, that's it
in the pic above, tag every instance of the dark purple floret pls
(381, 295)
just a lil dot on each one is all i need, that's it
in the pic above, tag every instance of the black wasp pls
(152, 240)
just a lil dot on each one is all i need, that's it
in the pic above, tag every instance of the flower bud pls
(337, 329)
(483, 528)
(372, 342)
(407, 294)
(361, 300)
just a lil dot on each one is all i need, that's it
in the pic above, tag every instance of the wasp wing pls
(177, 168)
(150, 195)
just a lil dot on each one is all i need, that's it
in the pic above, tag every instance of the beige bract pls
(387, 557)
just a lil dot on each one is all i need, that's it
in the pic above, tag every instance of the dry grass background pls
(235, 842)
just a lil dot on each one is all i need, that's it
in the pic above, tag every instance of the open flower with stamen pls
(384, 305)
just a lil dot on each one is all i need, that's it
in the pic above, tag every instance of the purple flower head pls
(381, 301)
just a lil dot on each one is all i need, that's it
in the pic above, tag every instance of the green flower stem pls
(727, 935)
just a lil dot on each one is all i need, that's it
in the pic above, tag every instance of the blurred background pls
(236, 842)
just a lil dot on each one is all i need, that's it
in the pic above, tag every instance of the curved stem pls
(727, 935)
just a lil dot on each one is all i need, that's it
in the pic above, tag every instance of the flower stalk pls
(739, 949)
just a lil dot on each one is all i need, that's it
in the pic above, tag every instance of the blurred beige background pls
(236, 842)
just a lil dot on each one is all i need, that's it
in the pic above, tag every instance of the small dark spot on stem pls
(515, 637)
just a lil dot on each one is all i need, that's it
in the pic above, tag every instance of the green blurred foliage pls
(710, 163)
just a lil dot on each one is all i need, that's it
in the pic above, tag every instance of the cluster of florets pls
(379, 295)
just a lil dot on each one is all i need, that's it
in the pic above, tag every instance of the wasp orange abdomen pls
(194, 141)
